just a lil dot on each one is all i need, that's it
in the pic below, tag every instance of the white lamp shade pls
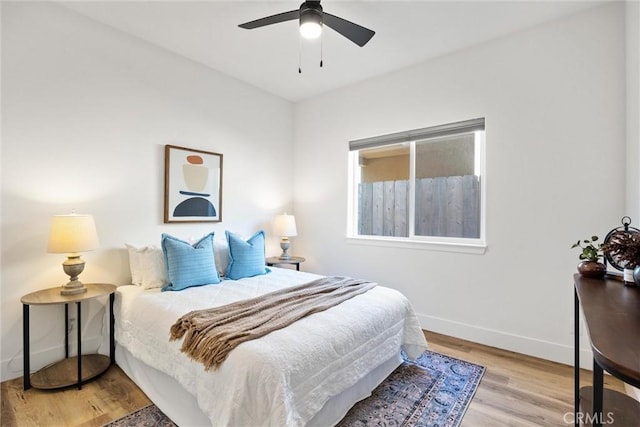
(72, 233)
(285, 226)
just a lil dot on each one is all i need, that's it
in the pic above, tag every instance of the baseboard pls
(13, 367)
(520, 344)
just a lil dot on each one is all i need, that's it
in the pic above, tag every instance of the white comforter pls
(285, 377)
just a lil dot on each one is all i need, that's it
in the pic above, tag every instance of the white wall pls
(87, 111)
(633, 118)
(633, 107)
(554, 102)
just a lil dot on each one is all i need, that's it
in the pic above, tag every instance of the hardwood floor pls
(516, 390)
(109, 397)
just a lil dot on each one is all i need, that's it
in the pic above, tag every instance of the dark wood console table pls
(612, 317)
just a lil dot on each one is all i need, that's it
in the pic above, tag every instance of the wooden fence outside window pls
(445, 207)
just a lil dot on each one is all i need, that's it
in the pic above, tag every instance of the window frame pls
(438, 243)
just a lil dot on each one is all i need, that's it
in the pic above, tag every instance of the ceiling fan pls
(311, 19)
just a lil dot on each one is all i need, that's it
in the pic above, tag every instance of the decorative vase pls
(593, 269)
(628, 276)
(636, 275)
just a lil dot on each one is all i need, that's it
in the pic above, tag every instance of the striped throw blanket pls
(210, 334)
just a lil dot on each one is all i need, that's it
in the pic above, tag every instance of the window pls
(421, 185)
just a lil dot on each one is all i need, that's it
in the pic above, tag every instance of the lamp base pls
(285, 245)
(73, 266)
(73, 288)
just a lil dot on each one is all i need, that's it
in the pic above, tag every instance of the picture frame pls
(192, 185)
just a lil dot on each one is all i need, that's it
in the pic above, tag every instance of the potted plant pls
(625, 248)
(590, 257)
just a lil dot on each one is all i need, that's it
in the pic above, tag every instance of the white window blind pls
(418, 134)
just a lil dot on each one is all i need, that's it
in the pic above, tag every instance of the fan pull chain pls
(299, 55)
(321, 45)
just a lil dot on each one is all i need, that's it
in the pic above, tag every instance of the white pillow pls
(134, 263)
(154, 270)
(221, 254)
(147, 267)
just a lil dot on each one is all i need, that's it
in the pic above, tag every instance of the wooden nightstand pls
(70, 370)
(294, 260)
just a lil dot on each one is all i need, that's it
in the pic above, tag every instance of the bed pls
(309, 373)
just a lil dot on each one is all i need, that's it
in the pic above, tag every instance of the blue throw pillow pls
(189, 265)
(246, 258)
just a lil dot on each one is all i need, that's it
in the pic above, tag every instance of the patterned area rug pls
(435, 390)
(149, 416)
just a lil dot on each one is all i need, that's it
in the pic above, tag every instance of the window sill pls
(440, 246)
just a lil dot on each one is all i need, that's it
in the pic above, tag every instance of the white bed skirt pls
(181, 406)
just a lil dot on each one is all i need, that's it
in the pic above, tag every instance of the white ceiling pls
(407, 33)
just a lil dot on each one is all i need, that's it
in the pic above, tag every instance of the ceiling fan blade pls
(273, 19)
(354, 32)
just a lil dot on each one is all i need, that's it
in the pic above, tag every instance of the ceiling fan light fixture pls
(312, 19)
(310, 23)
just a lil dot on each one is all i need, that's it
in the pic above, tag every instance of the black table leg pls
(598, 391)
(78, 320)
(25, 345)
(576, 356)
(66, 331)
(112, 340)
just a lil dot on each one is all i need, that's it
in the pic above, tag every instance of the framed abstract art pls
(192, 185)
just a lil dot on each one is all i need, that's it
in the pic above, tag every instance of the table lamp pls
(72, 234)
(285, 227)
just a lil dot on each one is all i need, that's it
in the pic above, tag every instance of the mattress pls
(284, 378)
